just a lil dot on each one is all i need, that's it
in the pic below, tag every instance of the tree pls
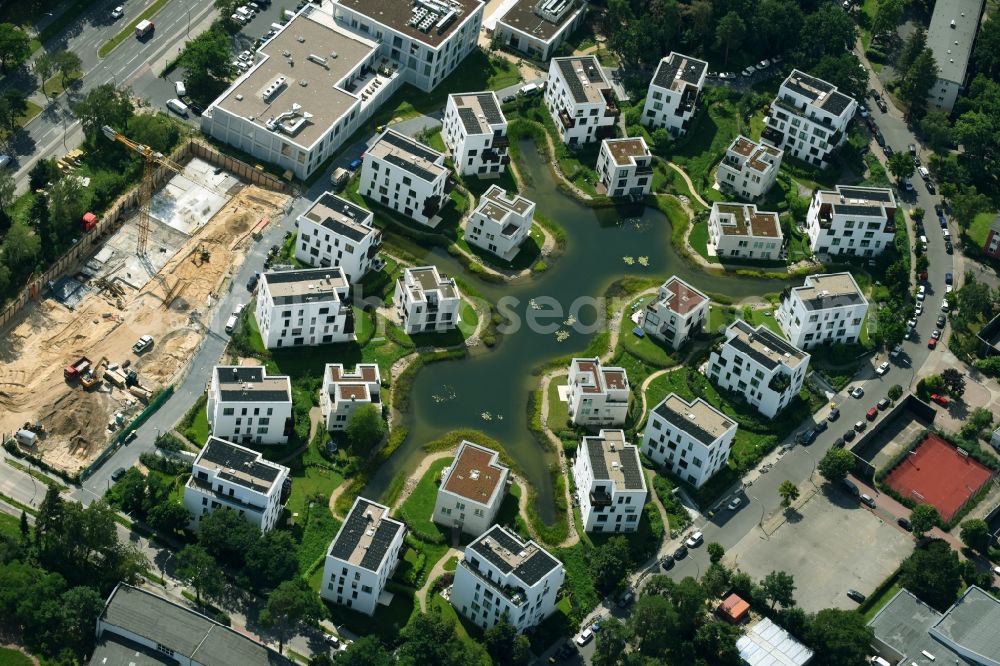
(68, 201)
(891, 324)
(715, 642)
(923, 518)
(729, 33)
(505, 646)
(24, 527)
(206, 62)
(51, 514)
(933, 573)
(715, 552)
(366, 651)
(827, 31)
(987, 54)
(966, 204)
(895, 392)
(430, 638)
(936, 130)
(917, 81)
(954, 382)
(778, 23)
(13, 105)
(104, 105)
(839, 638)
(888, 14)
(7, 189)
(272, 559)
(835, 464)
(609, 648)
(912, 47)
(715, 580)
(168, 517)
(81, 606)
(654, 625)
(901, 166)
(365, 429)
(44, 171)
(199, 570)
(226, 536)
(975, 299)
(609, 563)
(44, 65)
(68, 63)
(155, 131)
(789, 492)
(976, 535)
(979, 420)
(289, 607)
(843, 70)
(779, 588)
(15, 46)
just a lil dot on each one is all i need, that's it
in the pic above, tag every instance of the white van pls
(946, 234)
(694, 540)
(529, 89)
(924, 173)
(244, 12)
(178, 107)
(180, 88)
(289, 14)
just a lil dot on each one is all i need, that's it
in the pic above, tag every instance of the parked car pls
(806, 437)
(626, 599)
(252, 282)
(871, 414)
(585, 637)
(833, 415)
(882, 368)
(355, 164)
(932, 343)
(735, 504)
(929, 184)
(879, 139)
(695, 540)
(118, 474)
(918, 310)
(939, 399)
(667, 562)
(860, 426)
(912, 148)
(896, 351)
(887, 149)
(839, 443)
(945, 307)
(857, 392)
(850, 435)
(921, 293)
(507, 99)
(144, 343)
(949, 278)
(680, 553)
(941, 321)
(118, 12)
(883, 404)
(856, 596)
(821, 426)
(935, 334)
(904, 523)
(867, 499)
(880, 103)
(180, 88)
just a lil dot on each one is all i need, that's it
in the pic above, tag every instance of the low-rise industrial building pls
(472, 489)
(853, 221)
(951, 37)
(500, 223)
(475, 131)
(740, 231)
(536, 28)
(405, 175)
(693, 439)
(678, 312)
(610, 484)
(580, 100)
(345, 392)
(426, 301)
(827, 308)
(598, 396)
(673, 93)
(334, 232)
(625, 167)
(247, 406)
(304, 308)
(767, 644)
(748, 169)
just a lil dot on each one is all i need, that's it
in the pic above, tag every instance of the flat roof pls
(820, 94)
(736, 219)
(311, 32)
(624, 151)
(408, 154)
(309, 285)
(904, 625)
(829, 290)
(114, 650)
(952, 45)
(697, 418)
(240, 465)
(250, 383)
(678, 71)
(763, 345)
(423, 279)
(856, 200)
(364, 538)
(767, 644)
(478, 111)
(972, 623)
(615, 460)
(342, 217)
(475, 474)
(584, 78)
(522, 16)
(680, 297)
(525, 560)
(496, 203)
(399, 14)
(602, 379)
(366, 372)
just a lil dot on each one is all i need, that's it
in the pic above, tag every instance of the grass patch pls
(386, 623)
(129, 30)
(57, 84)
(12, 657)
(558, 415)
(418, 509)
(980, 228)
(320, 528)
(699, 241)
(10, 526)
(197, 434)
(763, 316)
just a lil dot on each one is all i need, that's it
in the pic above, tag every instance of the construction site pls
(72, 366)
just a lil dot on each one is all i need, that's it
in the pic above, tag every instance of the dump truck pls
(77, 369)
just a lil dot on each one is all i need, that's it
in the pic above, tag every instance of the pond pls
(489, 389)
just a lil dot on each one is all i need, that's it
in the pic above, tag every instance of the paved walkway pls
(436, 572)
(687, 179)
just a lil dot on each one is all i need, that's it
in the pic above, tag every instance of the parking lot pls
(831, 545)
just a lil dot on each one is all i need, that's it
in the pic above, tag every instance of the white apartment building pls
(536, 27)
(610, 484)
(951, 38)
(673, 93)
(500, 223)
(502, 574)
(472, 489)
(335, 232)
(329, 70)
(598, 396)
(759, 365)
(693, 438)
(426, 301)
(228, 475)
(808, 119)
(304, 308)
(827, 308)
(405, 175)
(852, 220)
(344, 392)
(245, 405)
(748, 169)
(362, 557)
(625, 167)
(740, 231)
(475, 131)
(678, 312)
(580, 100)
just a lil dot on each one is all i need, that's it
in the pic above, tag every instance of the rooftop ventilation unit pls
(333, 54)
(303, 82)
(300, 39)
(274, 87)
(474, 475)
(319, 60)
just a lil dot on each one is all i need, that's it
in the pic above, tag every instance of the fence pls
(119, 439)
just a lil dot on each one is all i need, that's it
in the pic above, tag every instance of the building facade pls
(362, 557)
(228, 475)
(598, 396)
(748, 169)
(673, 93)
(759, 365)
(693, 439)
(808, 119)
(580, 100)
(500, 223)
(610, 484)
(475, 131)
(472, 489)
(426, 301)
(678, 312)
(405, 175)
(247, 406)
(333, 232)
(826, 309)
(740, 231)
(625, 167)
(537, 27)
(344, 392)
(854, 221)
(500, 574)
(304, 308)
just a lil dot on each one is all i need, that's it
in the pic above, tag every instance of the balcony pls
(772, 136)
(514, 595)
(779, 383)
(431, 206)
(612, 110)
(567, 122)
(232, 501)
(599, 497)
(500, 143)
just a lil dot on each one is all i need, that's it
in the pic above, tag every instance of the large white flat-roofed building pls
(673, 93)
(808, 119)
(500, 223)
(748, 169)
(472, 489)
(336, 232)
(362, 557)
(245, 405)
(759, 365)
(610, 484)
(228, 475)
(950, 37)
(502, 574)
(693, 438)
(678, 312)
(580, 100)
(537, 27)
(304, 308)
(426, 301)
(598, 396)
(852, 220)
(405, 175)
(740, 231)
(625, 167)
(828, 308)
(475, 131)
(344, 392)
(767, 644)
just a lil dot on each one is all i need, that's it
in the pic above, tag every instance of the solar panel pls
(872, 194)
(536, 567)
(665, 73)
(351, 532)
(684, 424)
(836, 102)
(572, 81)
(410, 146)
(631, 468)
(490, 109)
(469, 120)
(384, 535)
(595, 450)
(406, 165)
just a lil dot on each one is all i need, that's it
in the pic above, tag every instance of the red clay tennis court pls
(936, 473)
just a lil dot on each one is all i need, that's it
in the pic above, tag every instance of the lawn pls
(387, 621)
(197, 432)
(418, 509)
(766, 317)
(319, 529)
(699, 241)
(12, 657)
(705, 144)
(310, 480)
(980, 228)
(57, 84)
(558, 410)
(720, 316)
(11, 527)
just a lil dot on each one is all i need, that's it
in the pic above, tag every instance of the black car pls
(839, 443)
(948, 247)
(940, 321)
(880, 103)
(117, 474)
(857, 596)
(904, 523)
(887, 149)
(680, 553)
(667, 562)
(195, 109)
(879, 139)
(919, 226)
(821, 427)
(849, 436)
(252, 282)
(833, 415)
(806, 437)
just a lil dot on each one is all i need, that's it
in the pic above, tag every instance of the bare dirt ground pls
(171, 307)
